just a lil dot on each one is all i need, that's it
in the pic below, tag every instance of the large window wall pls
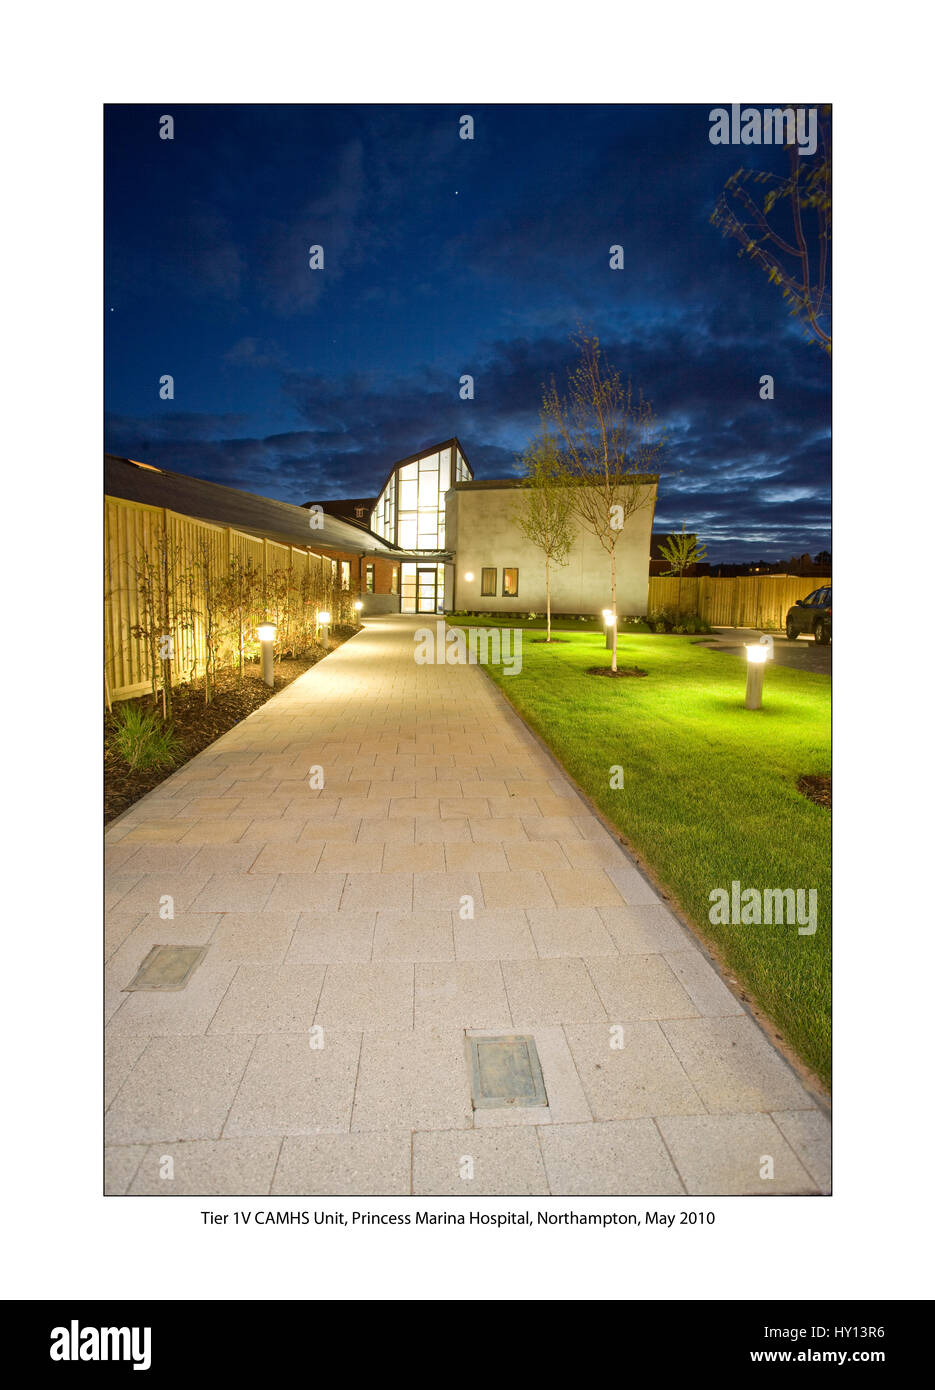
(410, 511)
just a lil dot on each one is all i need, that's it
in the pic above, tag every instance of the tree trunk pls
(678, 596)
(613, 605)
(548, 602)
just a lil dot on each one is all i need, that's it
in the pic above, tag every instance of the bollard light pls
(757, 655)
(267, 635)
(610, 622)
(358, 605)
(469, 576)
(324, 618)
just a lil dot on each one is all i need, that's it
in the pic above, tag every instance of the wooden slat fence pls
(755, 600)
(136, 534)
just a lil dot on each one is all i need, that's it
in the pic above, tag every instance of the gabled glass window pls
(410, 511)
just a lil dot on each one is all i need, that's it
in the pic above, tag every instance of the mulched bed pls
(620, 671)
(195, 723)
(550, 642)
(817, 789)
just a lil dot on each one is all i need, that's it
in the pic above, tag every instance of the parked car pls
(812, 614)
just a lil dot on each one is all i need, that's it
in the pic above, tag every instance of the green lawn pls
(709, 794)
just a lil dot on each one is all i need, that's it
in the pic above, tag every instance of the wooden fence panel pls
(755, 600)
(133, 533)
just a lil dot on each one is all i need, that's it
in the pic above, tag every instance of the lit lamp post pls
(267, 635)
(757, 654)
(610, 623)
(358, 608)
(324, 618)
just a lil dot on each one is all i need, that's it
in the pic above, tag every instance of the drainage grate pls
(167, 967)
(505, 1071)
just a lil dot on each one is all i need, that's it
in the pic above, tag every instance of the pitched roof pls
(228, 506)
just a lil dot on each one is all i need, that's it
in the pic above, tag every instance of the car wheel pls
(822, 633)
(791, 632)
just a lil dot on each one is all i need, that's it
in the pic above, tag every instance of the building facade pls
(495, 569)
(457, 547)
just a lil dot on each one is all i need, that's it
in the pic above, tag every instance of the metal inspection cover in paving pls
(446, 886)
(505, 1071)
(167, 968)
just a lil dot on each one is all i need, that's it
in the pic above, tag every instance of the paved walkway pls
(335, 916)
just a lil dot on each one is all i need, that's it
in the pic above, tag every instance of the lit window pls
(369, 579)
(345, 574)
(394, 582)
(510, 583)
(488, 583)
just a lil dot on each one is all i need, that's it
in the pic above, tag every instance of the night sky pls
(443, 257)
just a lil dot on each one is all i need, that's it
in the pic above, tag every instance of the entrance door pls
(426, 589)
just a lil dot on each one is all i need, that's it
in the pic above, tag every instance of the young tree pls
(681, 551)
(545, 513)
(608, 445)
(787, 230)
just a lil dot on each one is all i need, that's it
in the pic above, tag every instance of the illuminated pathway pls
(321, 1044)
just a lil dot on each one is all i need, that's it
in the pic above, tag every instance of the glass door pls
(427, 599)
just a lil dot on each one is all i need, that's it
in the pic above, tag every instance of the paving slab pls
(120, 1165)
(207, 1168)
(633, 987)
(253, 937)
(702, 984)
(416, 1079)
(414, 936)
(629, 1071)
(734, 1155)
(494, 936)
(290, 1087)
(490, 1162)
(733, 1067)
(332, 938)
(375, 996)
(808, 1133)
(181, 1088)
(357, 1165)
(468, 994)
(270, 999)
(593, 1160)
(551, 991)
(564, 931)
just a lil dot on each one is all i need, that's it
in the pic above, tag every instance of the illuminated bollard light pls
(358, 608)
(610, 623)
(324, 620)
(267, 635)
(757, 655)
